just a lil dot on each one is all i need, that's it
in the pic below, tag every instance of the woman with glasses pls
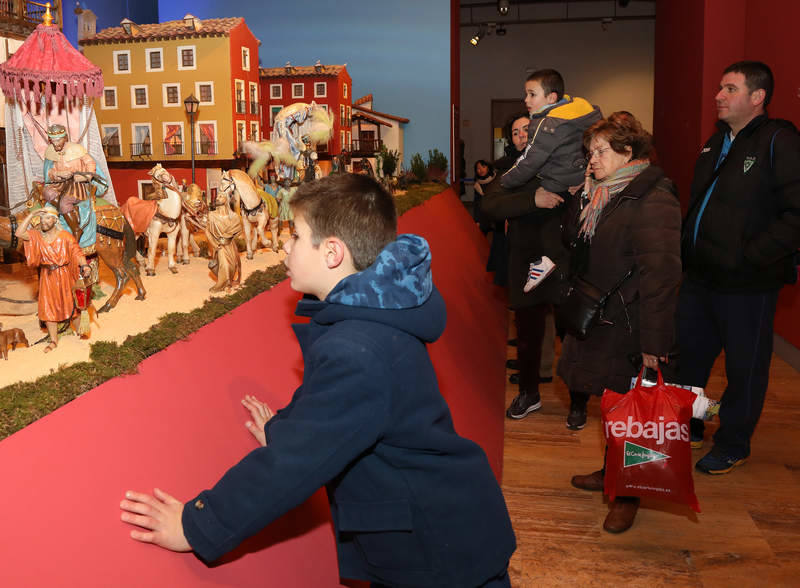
(629, 218)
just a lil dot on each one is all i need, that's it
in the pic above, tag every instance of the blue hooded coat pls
(413, 504)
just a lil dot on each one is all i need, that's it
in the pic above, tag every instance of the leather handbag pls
(584, 305)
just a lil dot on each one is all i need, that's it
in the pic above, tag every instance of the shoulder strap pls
(618, 285)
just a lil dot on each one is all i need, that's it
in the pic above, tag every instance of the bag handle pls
(659, 380)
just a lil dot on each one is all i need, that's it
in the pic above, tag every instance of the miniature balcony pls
(173, 149)
(141, 150)
(365, 147)
(22, 16)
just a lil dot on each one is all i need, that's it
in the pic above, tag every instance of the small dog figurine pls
(11, 337)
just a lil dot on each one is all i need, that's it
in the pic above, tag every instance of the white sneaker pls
(538, 271)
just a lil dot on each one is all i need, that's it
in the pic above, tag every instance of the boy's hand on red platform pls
(260, 413)
(160, 515)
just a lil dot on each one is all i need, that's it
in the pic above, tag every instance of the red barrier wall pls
(178, 425)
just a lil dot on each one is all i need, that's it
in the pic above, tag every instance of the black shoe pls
(512, 342)
(523, 405)
(514, 379)
(576, 420)
(512, 364)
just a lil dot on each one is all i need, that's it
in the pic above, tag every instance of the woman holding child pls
(629, 219)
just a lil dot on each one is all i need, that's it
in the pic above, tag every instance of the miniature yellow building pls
(148, 72)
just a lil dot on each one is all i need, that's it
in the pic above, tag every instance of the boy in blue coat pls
(413, 504)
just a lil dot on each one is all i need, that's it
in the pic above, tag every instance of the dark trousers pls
(530, 323)
(740, 324)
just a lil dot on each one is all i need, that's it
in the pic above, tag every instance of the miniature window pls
(142, 144)
(245, 59)
(273, 110)
(122, 62)
(110, 97)
(254, 131)
(112, 144)
(205, 92)
(342, 120)
(172, 94)
(297, 90)
(344, 90)
(207, 135)
(186, 57)
(320, 90)
(173, 138)
(253, 98)
(276, 91)
(349, 117)
(155, 59)
(139, 97)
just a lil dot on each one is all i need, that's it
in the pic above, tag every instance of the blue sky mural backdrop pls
(397, 51)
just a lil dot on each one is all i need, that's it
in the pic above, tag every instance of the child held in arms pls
(554, 153)
(412, 503)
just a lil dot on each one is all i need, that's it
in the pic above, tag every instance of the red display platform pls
(178, 424)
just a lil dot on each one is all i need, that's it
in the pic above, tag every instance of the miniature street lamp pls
(191, 104)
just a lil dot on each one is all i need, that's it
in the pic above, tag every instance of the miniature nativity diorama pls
(69, 232)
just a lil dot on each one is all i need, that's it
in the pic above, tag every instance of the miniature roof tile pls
(171, 29)
(383, 114)
(363, 100)
(372, 119)
(300, 71)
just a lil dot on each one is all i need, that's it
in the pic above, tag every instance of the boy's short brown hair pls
(550, 81)
(354, 208)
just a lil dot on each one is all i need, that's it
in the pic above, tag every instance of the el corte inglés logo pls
(637, 455)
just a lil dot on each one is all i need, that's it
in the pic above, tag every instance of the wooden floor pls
(747, 535)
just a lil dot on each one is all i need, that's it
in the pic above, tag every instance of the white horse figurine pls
(237, 185)
(167, 220)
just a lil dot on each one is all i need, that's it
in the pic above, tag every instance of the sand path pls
(166, 292)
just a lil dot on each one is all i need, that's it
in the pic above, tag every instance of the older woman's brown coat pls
(639, 228)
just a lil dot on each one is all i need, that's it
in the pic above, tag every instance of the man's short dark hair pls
(550, 80)
(354, 208)
(757, 76)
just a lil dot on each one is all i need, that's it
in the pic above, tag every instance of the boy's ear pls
(552, 98)
(335, 251)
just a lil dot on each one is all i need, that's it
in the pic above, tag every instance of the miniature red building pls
(329, 86)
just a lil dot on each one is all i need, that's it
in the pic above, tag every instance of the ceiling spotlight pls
(500, 31)
(476, 38)
(502, 7)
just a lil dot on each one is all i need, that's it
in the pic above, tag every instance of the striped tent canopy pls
(47, 64)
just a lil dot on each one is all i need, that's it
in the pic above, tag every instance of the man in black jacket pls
(739, 241)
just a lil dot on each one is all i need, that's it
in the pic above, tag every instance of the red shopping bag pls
(648, 451)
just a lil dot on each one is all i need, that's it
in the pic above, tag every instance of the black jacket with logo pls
(750, 229)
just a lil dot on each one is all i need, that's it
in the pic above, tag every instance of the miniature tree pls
(418, 167)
